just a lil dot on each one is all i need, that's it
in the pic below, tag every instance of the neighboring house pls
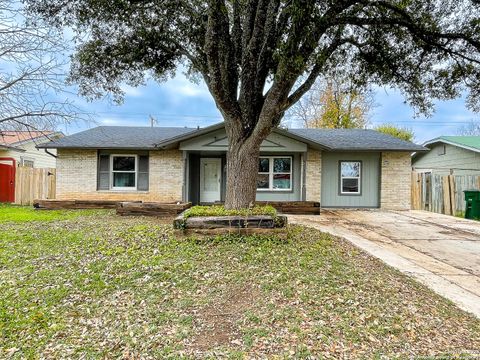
(21, 146)
(339, 168)
(456, 155)
(18, 148)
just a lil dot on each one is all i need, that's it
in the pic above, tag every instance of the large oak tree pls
(252, 53)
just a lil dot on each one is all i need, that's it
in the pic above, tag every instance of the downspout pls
(185, 194)
(49, 153)
(303, 168)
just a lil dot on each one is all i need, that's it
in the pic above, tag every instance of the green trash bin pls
(472, 206)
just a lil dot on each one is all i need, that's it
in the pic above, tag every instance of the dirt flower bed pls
(95, 285)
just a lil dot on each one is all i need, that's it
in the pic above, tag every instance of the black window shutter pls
(103, 179)
(142, 173)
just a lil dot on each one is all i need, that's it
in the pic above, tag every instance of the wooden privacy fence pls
(33, 184)
(441, 194)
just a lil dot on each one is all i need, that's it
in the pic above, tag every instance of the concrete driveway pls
(443, 252)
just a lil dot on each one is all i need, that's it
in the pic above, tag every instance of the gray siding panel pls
(370, 180)
(462, 161)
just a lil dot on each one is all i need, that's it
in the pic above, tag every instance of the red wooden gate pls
(7, 180)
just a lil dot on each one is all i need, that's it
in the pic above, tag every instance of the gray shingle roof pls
(356, 139)
(118, 137)
(124, 137)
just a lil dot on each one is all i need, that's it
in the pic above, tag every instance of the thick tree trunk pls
(242, 170)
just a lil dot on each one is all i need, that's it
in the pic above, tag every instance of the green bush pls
(219, 210)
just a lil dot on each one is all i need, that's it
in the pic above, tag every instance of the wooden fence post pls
(447, 205)
(416, 192)
(452, 187)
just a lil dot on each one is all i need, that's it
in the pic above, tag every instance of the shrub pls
(219, 210)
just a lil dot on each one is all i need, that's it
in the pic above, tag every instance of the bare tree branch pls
(32, 73)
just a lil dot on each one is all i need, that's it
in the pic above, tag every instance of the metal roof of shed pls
(467, 142)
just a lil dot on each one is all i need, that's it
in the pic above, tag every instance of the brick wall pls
(396, 181)
(77, 177)
(313, 175)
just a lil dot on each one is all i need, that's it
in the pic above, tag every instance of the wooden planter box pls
(213, 225)
(294, 207)
(151, 208)
(74, 204)
(123, 207)
(291, 207)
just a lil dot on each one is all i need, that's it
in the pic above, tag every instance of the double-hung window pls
(274, 173)
(128, 172)
(350, 177)
(124, 172)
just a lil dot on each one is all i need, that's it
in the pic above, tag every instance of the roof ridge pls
(139, 126)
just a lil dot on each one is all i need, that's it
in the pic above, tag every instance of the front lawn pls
(94, 285)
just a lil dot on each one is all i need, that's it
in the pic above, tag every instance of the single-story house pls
(21, 147)
(455, 155)
(339, 168)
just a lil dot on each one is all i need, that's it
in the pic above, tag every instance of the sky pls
(180, 102)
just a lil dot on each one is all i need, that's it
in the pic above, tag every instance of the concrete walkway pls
(442, 252)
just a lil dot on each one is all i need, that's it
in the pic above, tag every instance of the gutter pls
(49, 153)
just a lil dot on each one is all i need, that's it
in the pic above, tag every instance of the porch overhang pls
(214, 138)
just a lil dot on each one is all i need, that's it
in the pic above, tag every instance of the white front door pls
(210, 179)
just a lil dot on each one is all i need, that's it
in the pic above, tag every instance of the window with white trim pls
(350, 177)
(27, 162)
(274, 173)
(123, 172)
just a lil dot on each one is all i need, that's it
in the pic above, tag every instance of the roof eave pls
(97, 147)
(11, 148)
(440, 140)
(168, 143)
(176, 139)
(380, 149)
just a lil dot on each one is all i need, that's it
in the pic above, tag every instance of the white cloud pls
(181, 86)
(131, 91)
(112, 121)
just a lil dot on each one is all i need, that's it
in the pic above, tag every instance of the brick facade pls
(77, 177)
(395, 181)
(313, 175)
